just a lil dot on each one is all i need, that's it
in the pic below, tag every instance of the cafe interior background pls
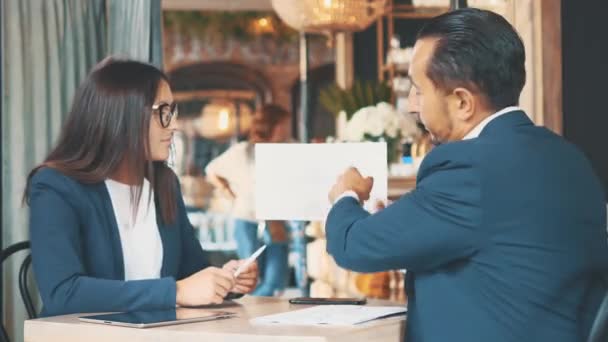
(340, 66)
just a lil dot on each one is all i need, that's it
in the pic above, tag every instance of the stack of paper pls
(343, 315)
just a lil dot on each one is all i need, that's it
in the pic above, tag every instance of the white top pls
(474, 133)
(237, 166)
(142, 248)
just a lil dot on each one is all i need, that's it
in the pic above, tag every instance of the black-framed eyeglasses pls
(166, 112)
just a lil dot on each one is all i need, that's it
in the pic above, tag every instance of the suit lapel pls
(167, 236)
(118, 260)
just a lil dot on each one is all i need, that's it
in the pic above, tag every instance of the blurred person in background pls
(232, 173)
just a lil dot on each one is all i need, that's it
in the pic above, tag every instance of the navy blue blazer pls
(77, 255)
(504, 238)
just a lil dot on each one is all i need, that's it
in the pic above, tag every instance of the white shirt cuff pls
(348, 193)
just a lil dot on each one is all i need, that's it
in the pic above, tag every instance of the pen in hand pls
(248, 261)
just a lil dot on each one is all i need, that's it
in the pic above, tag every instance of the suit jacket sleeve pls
(57, 255)
(435, 224)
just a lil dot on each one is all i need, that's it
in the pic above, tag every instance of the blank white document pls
(293, 180)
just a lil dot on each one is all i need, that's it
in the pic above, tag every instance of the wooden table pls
(69, 328)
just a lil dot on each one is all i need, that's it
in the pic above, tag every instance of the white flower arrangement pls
(381, 122)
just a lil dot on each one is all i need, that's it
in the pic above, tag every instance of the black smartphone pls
(233, 295)
(328, 301)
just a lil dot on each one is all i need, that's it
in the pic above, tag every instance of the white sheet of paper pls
(293, 180)
(331, 315)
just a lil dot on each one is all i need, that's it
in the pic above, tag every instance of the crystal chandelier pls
(329, 15)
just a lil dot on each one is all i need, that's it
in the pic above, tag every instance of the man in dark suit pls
(504, 237)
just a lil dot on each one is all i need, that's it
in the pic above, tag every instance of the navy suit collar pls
(162, 230)
(506, 122)
(118, 261)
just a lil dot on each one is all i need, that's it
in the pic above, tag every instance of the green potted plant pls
(362, 94)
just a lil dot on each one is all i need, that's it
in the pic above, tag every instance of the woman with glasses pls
(108, 226)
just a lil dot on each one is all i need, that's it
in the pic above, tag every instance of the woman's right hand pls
(208, 286)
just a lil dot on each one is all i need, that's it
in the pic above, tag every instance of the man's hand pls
(351, 179)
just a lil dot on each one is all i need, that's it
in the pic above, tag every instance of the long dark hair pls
(265, 121)
(110, 120)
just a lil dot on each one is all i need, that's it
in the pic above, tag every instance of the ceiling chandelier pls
(329, 16)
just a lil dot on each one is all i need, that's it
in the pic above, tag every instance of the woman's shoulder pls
(50, 178)
(47, 174)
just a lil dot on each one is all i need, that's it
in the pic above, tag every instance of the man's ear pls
(462, 102)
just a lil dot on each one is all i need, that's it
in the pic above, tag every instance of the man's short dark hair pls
(479, 49)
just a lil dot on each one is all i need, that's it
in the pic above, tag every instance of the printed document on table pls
(340, 315)
(292, 181)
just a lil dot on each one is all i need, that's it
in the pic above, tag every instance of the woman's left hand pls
(247, 279)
